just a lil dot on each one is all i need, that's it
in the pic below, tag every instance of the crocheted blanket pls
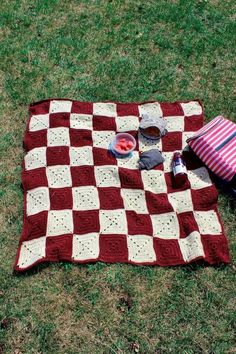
(81, 204)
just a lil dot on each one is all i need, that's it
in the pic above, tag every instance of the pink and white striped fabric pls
(215, 145)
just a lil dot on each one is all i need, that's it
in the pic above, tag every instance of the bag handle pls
(207, 130)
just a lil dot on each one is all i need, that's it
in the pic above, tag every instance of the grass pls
(125, 51)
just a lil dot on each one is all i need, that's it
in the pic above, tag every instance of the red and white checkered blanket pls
(83, 205)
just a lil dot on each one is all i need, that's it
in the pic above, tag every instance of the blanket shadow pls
(65, 265)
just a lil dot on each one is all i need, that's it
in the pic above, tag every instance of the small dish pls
(123, 144)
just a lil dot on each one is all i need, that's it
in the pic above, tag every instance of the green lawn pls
(124, 51)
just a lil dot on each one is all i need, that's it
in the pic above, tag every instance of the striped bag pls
(215, 145)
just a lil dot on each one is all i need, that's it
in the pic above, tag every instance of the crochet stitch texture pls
(81, 204)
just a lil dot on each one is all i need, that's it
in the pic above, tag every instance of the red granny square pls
(130, 178)
(59, 247)
(35, 139)
(171, 186)
(113, 248)
(34, 178)
(139, 224)
(168, 252)
(82, 107)
(103, 157)
(40, 108)
(80, 137)
(172, 141)
(127, 109)
(171, 109)
(83, 176)
(187, 223)
(104, 123)
(86, 221)
(59, 120)
(215, 248)
(159, 167)
(158, 203)
(58, 155)
(205, 198)
(61, 198)
(35, 226)
(193, 123)
(110, 198)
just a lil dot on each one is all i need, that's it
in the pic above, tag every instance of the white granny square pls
(35, 158)
(140, 248)
(208, 222)
(134, 199)
(58, 137)
(191, 246)
(130, 162)
(39, 122)
(191, 108)
(85, 198)
(37, 200)
(80, 156)
(107, 176)
(175, 123)
(60, 106)
(181, 201)
(154, 181)
(124, 124)
(60, 222)
(102, 139)
(199, 178)
(85, 246)
(32, 251)
(104, 109)
(81, 121)
(113, 221)
(165, 226)
(148, 144)
(153, 109)
(168, 156)
(59, 176)
(185, 136)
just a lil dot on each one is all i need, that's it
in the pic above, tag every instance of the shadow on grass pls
(67, 266)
